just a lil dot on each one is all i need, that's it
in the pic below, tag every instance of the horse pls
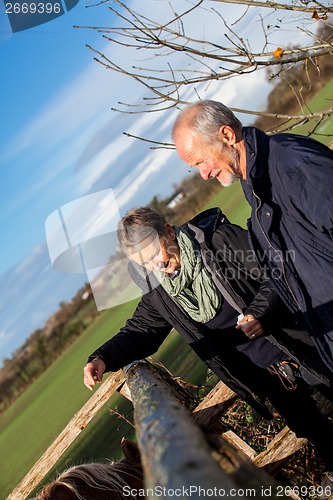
(100, 481)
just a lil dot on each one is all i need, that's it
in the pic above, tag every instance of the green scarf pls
(193, 288)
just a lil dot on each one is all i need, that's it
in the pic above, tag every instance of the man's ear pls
(170, 231)
(227, 135)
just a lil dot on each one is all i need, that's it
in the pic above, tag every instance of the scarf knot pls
(192, 288)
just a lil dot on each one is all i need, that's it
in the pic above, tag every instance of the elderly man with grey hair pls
(288, 181)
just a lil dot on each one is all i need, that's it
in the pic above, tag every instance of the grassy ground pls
(232, 203)
(29, 426)
(37, 417)
(321, 101)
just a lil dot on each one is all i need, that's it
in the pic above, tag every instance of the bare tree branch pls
(278, 6)
(174, 61)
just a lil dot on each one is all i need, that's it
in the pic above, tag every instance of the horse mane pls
(92, 481)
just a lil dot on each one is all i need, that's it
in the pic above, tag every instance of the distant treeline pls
(44, 345)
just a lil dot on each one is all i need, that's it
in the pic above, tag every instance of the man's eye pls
(197, 165)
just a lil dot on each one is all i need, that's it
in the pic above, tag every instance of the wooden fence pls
(174, 451)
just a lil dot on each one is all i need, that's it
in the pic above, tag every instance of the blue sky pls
(60, 141)
(37, 63)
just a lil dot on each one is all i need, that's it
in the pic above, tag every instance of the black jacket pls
(226, 254)
(289, 186)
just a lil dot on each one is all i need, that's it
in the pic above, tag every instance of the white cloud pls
(26, 264)
(101, 162)
(137, 177)
(77, 109)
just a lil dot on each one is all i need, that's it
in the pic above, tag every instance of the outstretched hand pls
(93, 373)
(250, 326)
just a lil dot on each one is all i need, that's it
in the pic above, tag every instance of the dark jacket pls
(289, 186)
(226, 254)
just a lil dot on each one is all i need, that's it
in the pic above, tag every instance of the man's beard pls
(234, 164)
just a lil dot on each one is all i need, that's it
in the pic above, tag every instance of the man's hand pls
(93, 373)
(250, 326)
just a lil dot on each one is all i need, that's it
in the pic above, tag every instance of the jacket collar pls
(205, 223)
(257, 150)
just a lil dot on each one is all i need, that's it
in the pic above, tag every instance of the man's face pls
(159, 254)
(211, 160)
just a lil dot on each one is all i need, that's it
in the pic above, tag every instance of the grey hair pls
(140, 224)
(205, 117)
(96, 478)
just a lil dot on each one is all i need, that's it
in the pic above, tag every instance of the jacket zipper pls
(282, 347)
(275, 249)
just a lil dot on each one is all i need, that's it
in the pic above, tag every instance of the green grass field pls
(321, 101)
(30, 425)
(232, 203)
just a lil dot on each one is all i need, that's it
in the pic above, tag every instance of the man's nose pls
(204, 172)
(157, 265)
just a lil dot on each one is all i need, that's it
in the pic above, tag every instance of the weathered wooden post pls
(176, 457)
